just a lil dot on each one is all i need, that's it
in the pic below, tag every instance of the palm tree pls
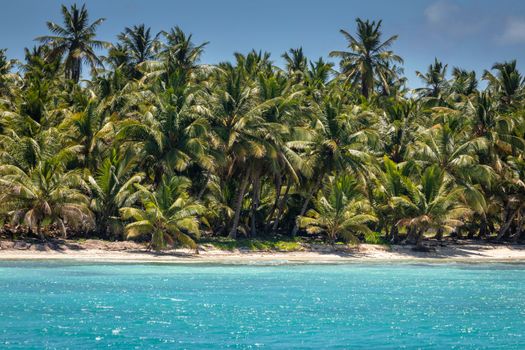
(7, 79)
(368, 58)
(433, 204)
(238, 129)
(139, 46)
(296, 64)
(45, 195)
(177, 54)
(171, 131)
(464, 82)
(340, 210)
(507, 83)
(75, 41)
(337, 145)
(434, 79)
(113, 188)
(167, 216)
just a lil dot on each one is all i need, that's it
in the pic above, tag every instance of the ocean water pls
(60, 305)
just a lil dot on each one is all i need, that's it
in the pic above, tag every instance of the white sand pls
(99, 251)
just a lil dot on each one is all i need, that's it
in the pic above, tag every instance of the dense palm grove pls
(159, 147)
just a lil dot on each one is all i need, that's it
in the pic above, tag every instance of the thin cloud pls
(447, 18)
(440, 12)
(514, 32)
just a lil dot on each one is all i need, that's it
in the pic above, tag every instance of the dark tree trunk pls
(278, 186)
(439, 234)
(394, 234)
(255, 201)
(203, 189)
(412, 235)
(419, 238)
(238, 205)
(505, 227)
(364, 86)
(309, 196)
(280, 209)
(39, 232)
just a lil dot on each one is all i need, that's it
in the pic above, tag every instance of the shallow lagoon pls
(64, 305)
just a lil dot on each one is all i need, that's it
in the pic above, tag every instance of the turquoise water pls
(48, 305)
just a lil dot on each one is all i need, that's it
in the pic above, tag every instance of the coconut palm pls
(167, 216)
(340, 211)
(434, 79)
(464, 83)
(170, 133)
(369, 56)
(296, 64)
(74, 41)
(45, 195)
(507, 83)
(139, 43)
(113, 188)
(435, 204)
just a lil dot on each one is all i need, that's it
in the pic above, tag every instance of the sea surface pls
(64, 305)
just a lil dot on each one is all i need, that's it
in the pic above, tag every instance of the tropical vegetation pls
(152, 144)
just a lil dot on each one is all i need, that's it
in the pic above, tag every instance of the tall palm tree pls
(507, 83)
(296, 64)
(139, 45)
(369, 56)
(337, 145)
(113, 187)
(75, 41)
(238, 128)
(464, 82)
(434, 79)
(139, 42)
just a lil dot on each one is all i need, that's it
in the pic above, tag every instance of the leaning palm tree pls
(45, 195)
(341, 210)
(167, 216)
(75, 41)
(368, 59)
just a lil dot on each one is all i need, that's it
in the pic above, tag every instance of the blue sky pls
(472, 34)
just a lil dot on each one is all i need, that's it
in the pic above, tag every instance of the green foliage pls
(157, 146)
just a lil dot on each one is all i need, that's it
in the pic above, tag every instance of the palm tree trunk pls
(306, 202)
(394, 234)
(419, 238)
(505, 227)
(238, 205)
(203, 189)
(412, 235)
(278, 185)
(280, 209)
(39, 232)
(62, 228)
(439, 234)
(255, 200)
(364, 86)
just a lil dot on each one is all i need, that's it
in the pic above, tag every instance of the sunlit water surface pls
(48, 305)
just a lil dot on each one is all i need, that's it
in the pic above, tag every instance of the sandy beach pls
(102, 251)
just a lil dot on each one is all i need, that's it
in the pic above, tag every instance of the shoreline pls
(129, 252)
